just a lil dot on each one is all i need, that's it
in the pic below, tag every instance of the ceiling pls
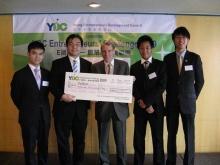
(176, 7)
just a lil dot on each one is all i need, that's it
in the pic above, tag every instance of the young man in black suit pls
(184, 84)
(150, 83)
(111, 112)
(29, 92)
(70, 115)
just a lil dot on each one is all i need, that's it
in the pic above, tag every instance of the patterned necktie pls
(110, 68)
(75, 67)
(146, 65)
(179, 63)
(37, 76)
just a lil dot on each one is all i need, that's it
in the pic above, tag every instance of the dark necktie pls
(146, 65)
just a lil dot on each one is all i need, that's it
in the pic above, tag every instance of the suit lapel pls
(185, 62)
(31, 77)
(102, 67)
(42, 77)
(173, 62)
(186, 59)
(81, 65)
(67, 64)
(151, 66)
(117, 67)
(83, 69)
(140, 68)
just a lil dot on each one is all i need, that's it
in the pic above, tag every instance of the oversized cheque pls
(99, 87)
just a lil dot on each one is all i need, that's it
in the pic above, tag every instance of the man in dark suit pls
(29, 92)
(105, 112)
(69, 114)
(184, 83)
(150, 81)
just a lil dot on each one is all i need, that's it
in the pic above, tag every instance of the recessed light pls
(94, 4)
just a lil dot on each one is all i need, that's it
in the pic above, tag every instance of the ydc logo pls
(57, 26)
(74, 78)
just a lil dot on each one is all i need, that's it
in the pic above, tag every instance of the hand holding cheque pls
(68, 98)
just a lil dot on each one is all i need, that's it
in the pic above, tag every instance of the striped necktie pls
(110, 68)
(75, 67)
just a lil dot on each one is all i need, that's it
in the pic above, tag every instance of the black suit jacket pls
(64, 111)
(185, 88)
(148, 89)
(102, 111)
(29, 100)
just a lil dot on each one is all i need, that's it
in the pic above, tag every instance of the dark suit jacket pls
(149, 90)
(102, 111)
(29, 100)
(62, 110)
(185, 88)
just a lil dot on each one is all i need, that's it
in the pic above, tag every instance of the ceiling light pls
(94, 4)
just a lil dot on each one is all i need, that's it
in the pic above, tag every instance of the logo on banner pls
(57, 26)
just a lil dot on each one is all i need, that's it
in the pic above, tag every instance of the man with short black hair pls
(150, 82)
(70, 115)
(184, 83)
(29, 92)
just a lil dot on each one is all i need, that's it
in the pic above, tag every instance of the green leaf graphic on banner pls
(26, 38)
(21, 41)
(20, 61)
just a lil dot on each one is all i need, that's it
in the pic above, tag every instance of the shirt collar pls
(182, 54)
(112, 62)
(33, 67)
(149, 59)
(71, 59)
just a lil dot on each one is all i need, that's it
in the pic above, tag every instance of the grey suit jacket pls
(29, 100)
(185, 88)
(102, 111)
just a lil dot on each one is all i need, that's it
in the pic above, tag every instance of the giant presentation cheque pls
(99, 87)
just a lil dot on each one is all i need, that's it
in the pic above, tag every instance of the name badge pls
(188, 67)
(45, 83)
(152, 75)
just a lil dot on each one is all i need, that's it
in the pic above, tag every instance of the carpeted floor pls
(15, 158)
